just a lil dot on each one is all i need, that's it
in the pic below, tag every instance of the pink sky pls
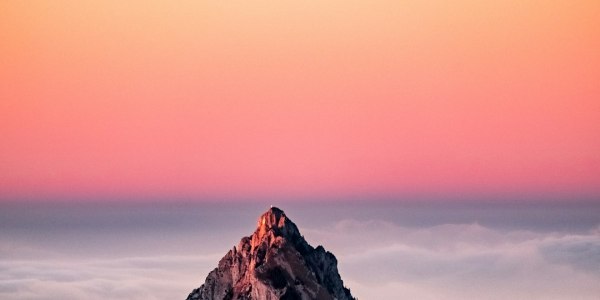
(296, 99)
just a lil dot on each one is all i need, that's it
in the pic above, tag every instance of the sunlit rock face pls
(275, 262)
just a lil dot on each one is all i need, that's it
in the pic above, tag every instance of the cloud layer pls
(378, 259)
(464, 261)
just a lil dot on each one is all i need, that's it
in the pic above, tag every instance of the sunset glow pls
(299, 99)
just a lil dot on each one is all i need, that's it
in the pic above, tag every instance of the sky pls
(440, 149)
(299, 99)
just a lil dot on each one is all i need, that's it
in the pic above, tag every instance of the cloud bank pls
(377, 260)
(463, 261)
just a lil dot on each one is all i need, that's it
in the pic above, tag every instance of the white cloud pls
(462, 261)
(122, 278)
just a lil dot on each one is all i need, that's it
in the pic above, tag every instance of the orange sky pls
(299, 99)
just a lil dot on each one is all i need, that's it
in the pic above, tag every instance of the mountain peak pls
(274, 222)
(275, 262)
(272, 218)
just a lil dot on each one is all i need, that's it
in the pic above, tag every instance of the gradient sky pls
(297, 99)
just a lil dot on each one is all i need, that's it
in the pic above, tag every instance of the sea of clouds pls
(378, 259)
(464, 261)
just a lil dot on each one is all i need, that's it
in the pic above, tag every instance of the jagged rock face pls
(275, 262)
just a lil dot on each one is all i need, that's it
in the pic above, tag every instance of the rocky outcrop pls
(275, 262)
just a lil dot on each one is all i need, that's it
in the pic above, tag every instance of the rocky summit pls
(275, 262)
